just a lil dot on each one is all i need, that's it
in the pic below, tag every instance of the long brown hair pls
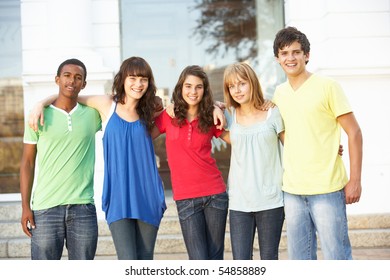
(205, 109)
(137, 66)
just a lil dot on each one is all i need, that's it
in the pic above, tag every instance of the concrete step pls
(365, 231)
(173, 243)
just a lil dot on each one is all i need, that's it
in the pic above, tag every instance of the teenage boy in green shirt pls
(62, 205)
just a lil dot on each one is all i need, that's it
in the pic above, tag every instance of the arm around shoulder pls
(102, 103)
(36, 115)
(281, 137)
(225, 136)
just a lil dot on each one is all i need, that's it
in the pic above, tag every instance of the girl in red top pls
(197, 185)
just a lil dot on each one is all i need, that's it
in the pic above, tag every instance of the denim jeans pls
(310, 215)
(75, 224)
(133, 239)
(203, 224)
(269, 224)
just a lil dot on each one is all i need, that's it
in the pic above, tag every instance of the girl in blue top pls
(133, 194)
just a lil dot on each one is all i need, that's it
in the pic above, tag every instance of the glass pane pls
(173, 34)
(11, 96)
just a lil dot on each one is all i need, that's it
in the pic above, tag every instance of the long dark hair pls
(137, 66)
(205, 109)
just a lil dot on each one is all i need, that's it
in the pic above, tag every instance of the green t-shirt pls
(65, 156)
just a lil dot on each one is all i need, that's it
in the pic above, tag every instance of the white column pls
(55, 30)
(269, 17)
(70, 24)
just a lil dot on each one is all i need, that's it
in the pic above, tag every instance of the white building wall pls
(55, 30)
(350, 41)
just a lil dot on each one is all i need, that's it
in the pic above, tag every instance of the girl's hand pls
(219, 117)
(159, 104)
(220, 105)
(170, 110)
(35, 117)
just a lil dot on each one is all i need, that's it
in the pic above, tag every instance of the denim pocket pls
(42, 212)
(220, 201)
(185, 208)
(91, 208)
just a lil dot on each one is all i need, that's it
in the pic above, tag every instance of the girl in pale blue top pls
(255, 175)
(256, 148)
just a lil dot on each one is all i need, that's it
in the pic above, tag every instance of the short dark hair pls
(289, 35)
(73, 61)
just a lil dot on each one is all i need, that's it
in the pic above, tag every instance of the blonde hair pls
(243, 71)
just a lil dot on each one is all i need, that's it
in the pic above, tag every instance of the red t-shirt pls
(194, 172)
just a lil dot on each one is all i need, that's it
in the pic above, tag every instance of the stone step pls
(10, 209)
(170, 225)
(365, 231)
(10, 212)
(173, 243)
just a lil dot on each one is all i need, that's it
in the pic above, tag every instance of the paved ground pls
(358, 254)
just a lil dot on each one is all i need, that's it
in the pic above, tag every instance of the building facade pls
(349, 40)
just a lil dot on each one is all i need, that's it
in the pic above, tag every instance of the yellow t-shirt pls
(312, 135)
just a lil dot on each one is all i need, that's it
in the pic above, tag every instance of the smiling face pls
(240, 91)
(136, 86)
(71, 80)
(193, 90)
(293, 59)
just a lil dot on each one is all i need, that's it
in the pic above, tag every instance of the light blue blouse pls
(256, 172)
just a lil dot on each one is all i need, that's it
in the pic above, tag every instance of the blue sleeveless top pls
(132, 186)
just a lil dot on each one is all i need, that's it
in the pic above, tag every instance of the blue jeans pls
(269, 224)
(203, 224)
(133, 239)
(310, 215)
(75, 224)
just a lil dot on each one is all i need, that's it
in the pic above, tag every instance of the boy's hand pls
(267, 105)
